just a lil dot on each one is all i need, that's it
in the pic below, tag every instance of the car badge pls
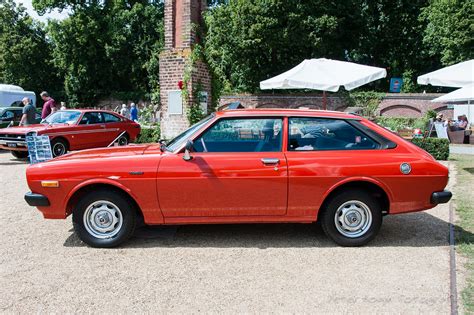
(405, 168)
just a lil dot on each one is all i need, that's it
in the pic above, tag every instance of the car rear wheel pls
(58, 147)
(104, 219)
(352, 218)
(123, 140)
(20, 154)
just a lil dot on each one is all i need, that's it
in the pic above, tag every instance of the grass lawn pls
(464, 200)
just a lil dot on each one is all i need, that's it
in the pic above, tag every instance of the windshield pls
(62, 117)
(183, 137)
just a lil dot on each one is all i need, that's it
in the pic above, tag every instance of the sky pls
(53, 15)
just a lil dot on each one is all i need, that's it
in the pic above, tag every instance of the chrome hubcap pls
(103, 219)
(353, 219)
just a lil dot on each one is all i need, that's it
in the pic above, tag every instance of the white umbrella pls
(325, 75)
(465, 94)
(460, 95)
(458, 75)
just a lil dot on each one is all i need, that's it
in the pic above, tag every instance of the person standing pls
(133, 112)
(63, 106)
(124, 111)
(49, 105)
(29, 113)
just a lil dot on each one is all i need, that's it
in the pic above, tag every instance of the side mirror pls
(187, 149)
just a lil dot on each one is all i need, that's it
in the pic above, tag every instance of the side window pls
(108, 118)
(16, 104)
(90, 118)
(312, 134)
(8, 115)
(242, 135)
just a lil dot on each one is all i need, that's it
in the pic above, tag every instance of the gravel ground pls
(219, 268)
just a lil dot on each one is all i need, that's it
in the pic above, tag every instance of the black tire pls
(123, 140)
(93, 201)
(20, 154)
(59, 147)
(354, 202)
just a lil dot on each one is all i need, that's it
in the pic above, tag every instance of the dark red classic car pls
(70, 130)
(244, 166)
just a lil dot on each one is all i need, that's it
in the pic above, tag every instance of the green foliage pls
(449, 30)
(249, 41)
(25, 56)
(368, 101)
(149, 134)
(396, 123)
(107, 47)
(438, 148)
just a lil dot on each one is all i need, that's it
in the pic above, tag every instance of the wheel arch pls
(89, 186)
(374, 187)
(68, 145)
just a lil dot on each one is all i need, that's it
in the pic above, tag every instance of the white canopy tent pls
(325, 75)
(458, 75)
(465, 94)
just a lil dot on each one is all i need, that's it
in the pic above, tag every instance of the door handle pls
(270, 161)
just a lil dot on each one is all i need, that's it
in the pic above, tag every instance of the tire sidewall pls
(128, 217)
(123, 137)
(56, 142)
(329, 225)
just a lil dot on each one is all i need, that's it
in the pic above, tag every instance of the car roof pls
(87, 110)
(286, 112)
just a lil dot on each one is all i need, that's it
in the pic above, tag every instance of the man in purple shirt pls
(49, 105)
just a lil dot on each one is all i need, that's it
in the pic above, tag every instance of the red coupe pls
(244, 166)
(72, 130)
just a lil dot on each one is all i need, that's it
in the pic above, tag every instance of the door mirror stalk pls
(187, 150)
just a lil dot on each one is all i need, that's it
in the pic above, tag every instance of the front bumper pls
(13, 145)
(441, 197)
(36, 200)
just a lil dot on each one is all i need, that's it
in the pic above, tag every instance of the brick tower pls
(182, 18)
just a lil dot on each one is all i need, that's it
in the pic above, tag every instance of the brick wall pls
(180, 18)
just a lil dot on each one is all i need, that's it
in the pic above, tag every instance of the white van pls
(11, 95)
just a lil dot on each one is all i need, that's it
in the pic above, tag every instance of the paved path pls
(461, 149)
(220, 268)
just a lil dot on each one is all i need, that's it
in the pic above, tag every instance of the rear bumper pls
(36, 200)
(441, 197)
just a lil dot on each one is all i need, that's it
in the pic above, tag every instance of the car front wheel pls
(104, 219)
(352, 218)
(58, 147)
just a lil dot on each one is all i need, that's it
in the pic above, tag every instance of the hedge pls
(149, 134)
(438, 148)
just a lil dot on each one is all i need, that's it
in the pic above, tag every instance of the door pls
(237, 169)
(113, 127)
(90, 131)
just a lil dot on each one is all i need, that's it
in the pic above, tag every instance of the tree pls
(25, 53)
(450, 30)
(390, 35)
(107, 48)
(248, 41)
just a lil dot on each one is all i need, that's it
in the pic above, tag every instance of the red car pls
(244, 166)
(70, 130)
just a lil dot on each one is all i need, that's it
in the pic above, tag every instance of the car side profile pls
(244, 166)
(11, 116)
(70, 130)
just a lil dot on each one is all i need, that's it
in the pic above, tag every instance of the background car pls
(13, 114)
(245, 166)
(73, 130)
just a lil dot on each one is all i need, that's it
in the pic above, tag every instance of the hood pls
(129, 150)
(25, 129)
